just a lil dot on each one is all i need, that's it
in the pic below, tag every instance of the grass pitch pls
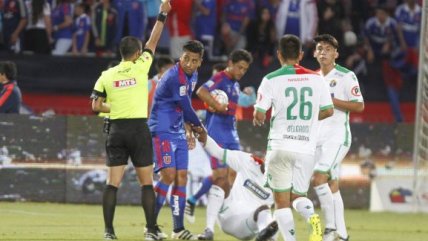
(47, 221)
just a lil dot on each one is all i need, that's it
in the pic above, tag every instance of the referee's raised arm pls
(152, 42)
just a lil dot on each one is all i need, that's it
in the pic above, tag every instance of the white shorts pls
(289, 171)
(236, 219)
(329, 157)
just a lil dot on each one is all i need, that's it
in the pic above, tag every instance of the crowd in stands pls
(381, 33)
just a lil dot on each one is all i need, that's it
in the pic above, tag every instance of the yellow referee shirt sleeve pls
(145, 61)
(99, 85)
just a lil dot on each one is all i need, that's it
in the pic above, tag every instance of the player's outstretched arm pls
(351, 106)
(164, 9)
(325, 113)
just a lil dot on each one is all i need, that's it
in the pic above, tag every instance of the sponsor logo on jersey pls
(256, 189)
(333, 83)
(355, 91)
(124, 83)
(183, 90)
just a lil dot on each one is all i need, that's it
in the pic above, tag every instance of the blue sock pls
(178, 202)
(161, 190)
(206, 185)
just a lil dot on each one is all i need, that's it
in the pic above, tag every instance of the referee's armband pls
(95, 94)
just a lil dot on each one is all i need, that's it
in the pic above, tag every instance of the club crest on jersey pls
(124, 83)
(183, 90)
(355, 91)
(333, 83)
(167, 160)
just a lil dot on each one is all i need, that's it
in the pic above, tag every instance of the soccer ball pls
(220, 96)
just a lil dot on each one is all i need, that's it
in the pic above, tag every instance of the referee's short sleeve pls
(145, 60)
(99, 85)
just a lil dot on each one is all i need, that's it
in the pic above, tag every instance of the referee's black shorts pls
(129, 138)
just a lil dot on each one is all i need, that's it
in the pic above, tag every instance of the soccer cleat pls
(189, 212)
(161, 235)
(329, 235)
(316, 231)
(183, 235)
(267, 233)
(109, 236)
(207, 235)
(344, 239)
(151, 236)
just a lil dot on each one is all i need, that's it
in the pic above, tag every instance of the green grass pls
(47, 221)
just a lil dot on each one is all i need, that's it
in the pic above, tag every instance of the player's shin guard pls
(109, 206)
(178, 203)
(339, 215)
(215, 200)
(285, 220)
(161, 190)
(304, 207)
(206, 185)
(148, 203)
(326, 200)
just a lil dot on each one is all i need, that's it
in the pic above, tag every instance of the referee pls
(126, 86)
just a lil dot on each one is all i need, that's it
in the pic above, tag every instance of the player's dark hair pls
(240, 55)
(129, 46)
(9, 69)
(194, 46)
(290, 47)
(219, 66)
(328, 39)
(163, 61)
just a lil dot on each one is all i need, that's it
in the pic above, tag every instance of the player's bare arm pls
(323, 114)
(191, 142)
(206, 97)
(201, 134)
(164, 9)
(259, 118)
(351, 106)
(98, 105)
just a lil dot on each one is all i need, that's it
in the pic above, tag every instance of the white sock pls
(215, 200)
(326, 200)
(264, 219)
(304, 207)
(339, 212)
(285, 220)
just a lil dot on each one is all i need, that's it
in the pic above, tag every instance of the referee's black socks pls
(148, 202)
(109, 205)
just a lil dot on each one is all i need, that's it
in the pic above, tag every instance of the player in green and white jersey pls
(335, 136)
(299, 98)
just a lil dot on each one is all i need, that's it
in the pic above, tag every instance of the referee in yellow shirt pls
(126, 86)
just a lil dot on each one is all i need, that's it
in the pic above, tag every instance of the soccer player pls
(221, 126)
(171, 109)
(245, 211)
(125, 85)
(298, 98)
(334, 137)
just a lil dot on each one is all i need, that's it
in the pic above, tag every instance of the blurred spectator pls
(206, 24)
(163, 63)
(179, 26)
(271, 5)
(331, 16)
(38, 34)
(358, 12)
(132, 19)
(152, 9)
(1, 23)
(386, 45)
(409, 16)
(14, 19)
(81, 31)
(261, 37)
(10, 94)
(104, 23)
(62, 21)
(298, 17)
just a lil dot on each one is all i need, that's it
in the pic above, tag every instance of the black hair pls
(328, 39)
(240, 55)
(129, 46)
(194, 46)
(163, 61)
(290, 47)
(220, 66)
(9, 69)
